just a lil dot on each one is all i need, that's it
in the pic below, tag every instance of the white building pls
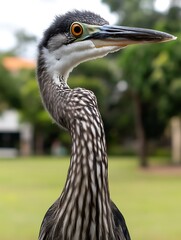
(15, 138)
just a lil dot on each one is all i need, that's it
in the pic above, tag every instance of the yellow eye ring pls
(76, 29)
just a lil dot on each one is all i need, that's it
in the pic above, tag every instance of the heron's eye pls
(76, 29)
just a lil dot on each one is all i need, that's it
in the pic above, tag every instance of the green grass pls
(150, 202)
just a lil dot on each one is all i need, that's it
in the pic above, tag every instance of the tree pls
(9, 93)
(138, 13)
(151, 89)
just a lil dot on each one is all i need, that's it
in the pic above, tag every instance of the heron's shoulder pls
(120, 223)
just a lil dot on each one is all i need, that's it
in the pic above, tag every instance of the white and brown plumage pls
(84, 210)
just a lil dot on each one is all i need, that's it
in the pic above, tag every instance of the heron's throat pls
(55, 66)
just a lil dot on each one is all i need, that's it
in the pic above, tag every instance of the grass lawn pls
(149, 200)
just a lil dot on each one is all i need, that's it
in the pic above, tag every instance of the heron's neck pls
(85, 200)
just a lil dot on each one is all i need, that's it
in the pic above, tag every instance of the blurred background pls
(139, 97)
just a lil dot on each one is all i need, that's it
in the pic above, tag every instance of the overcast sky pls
(35, 15)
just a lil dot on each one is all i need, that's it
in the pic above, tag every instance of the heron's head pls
(79, 36)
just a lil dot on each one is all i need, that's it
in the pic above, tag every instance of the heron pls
(84, 210)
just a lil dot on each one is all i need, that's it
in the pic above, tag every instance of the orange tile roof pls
(16, 63)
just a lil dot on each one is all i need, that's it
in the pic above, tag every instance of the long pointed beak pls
(108, 35)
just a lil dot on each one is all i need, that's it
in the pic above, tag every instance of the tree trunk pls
(140, 131)
(39, 143)
(176, 139)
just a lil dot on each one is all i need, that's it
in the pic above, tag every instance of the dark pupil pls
(77, 29)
